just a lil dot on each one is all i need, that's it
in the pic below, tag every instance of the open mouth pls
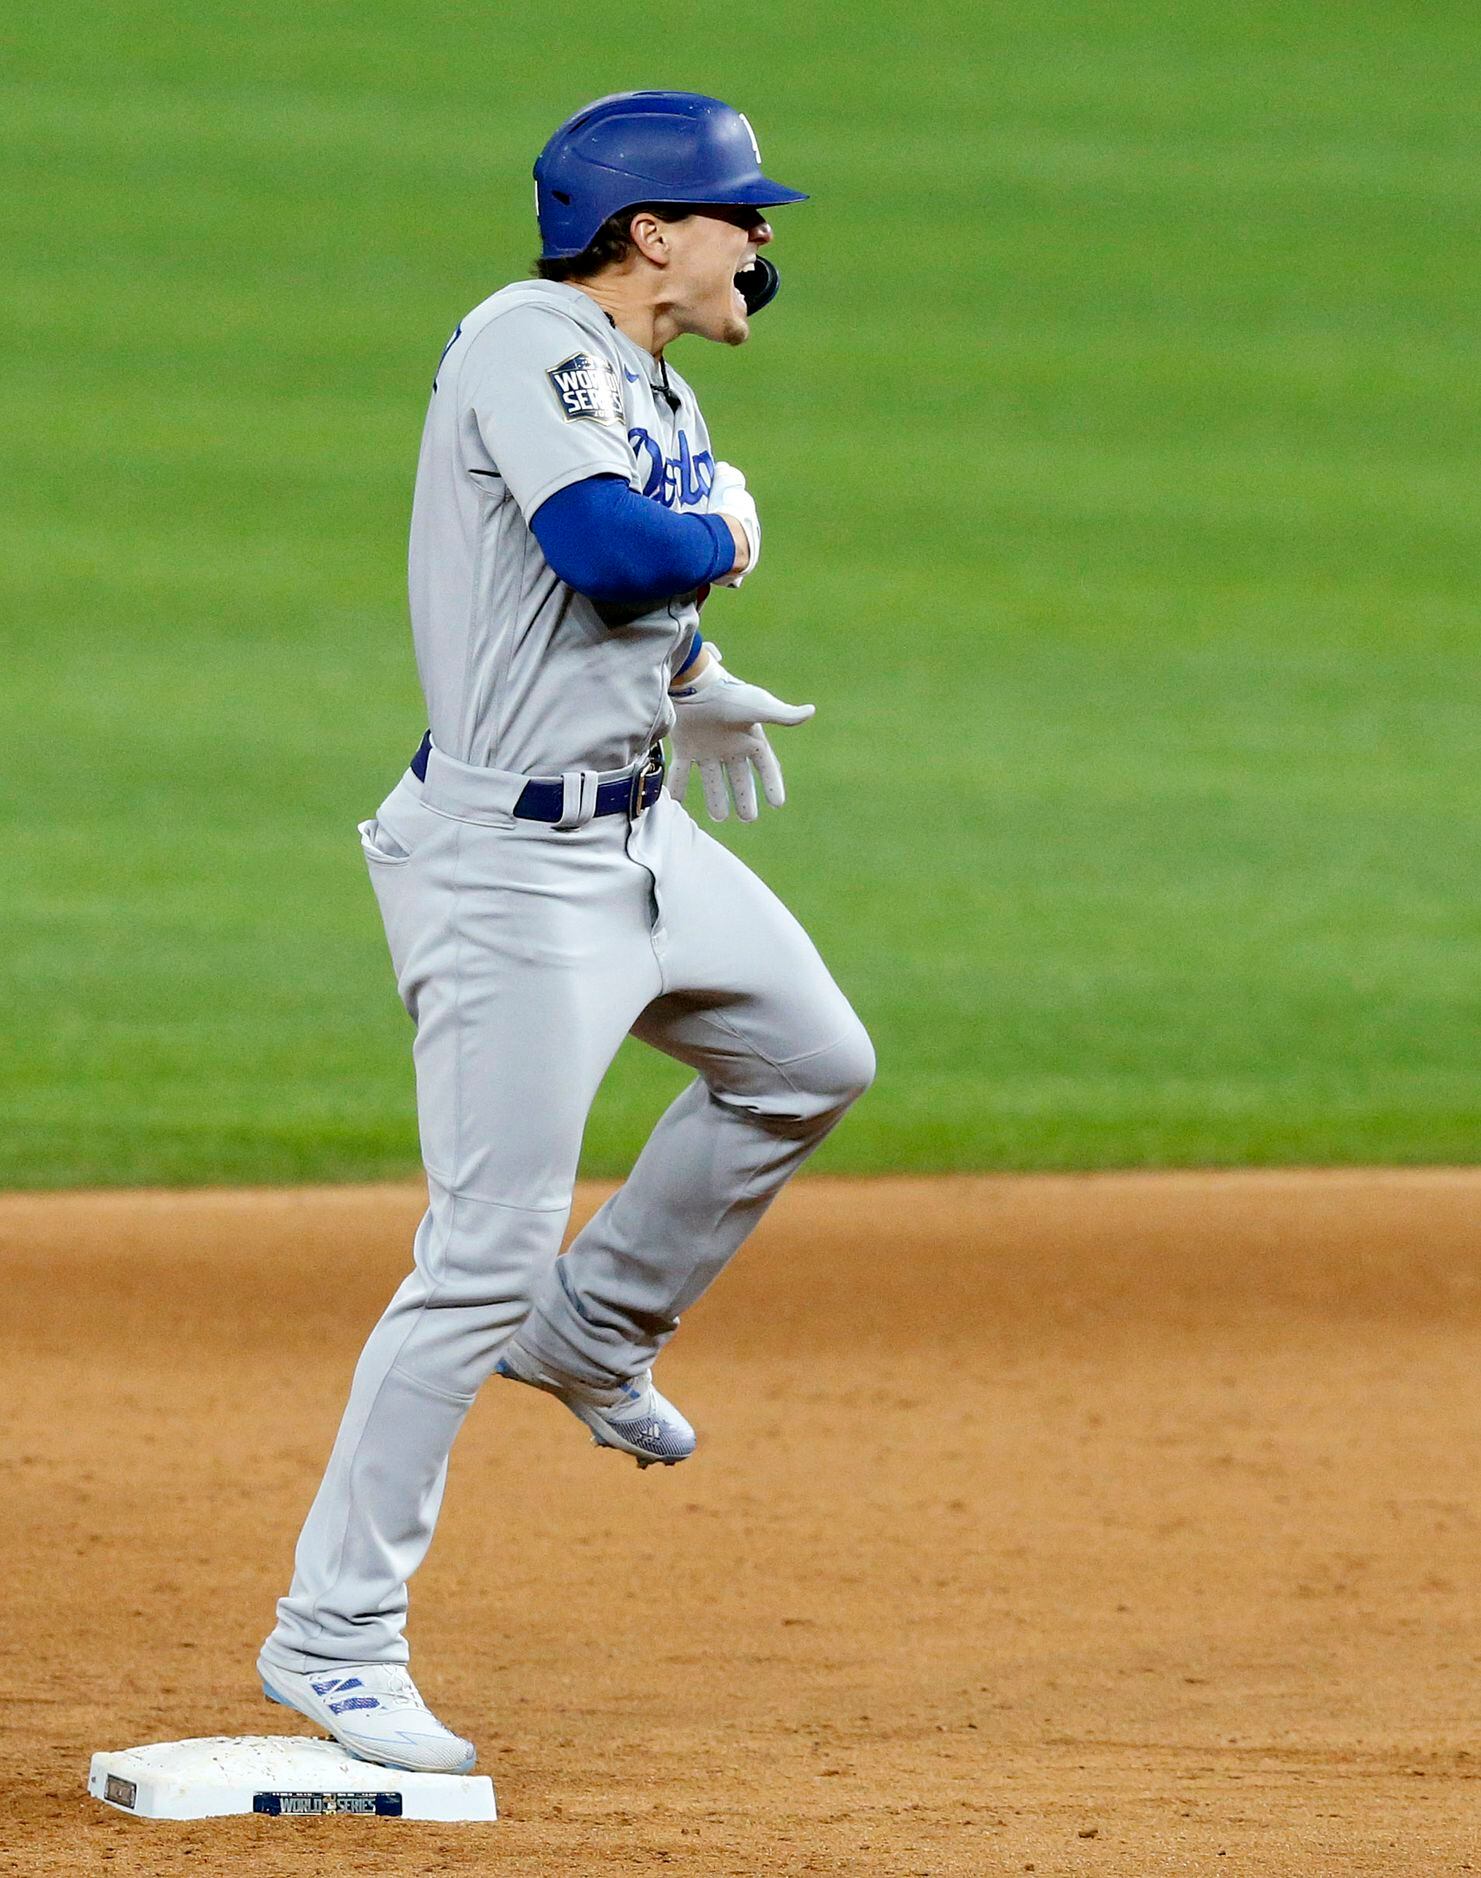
(755, 282)
(746, 282)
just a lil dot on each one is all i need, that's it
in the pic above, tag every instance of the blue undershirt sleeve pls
(696, 646)
(614, 545)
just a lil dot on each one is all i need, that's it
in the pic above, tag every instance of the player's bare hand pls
(718, 730)
(730, 497)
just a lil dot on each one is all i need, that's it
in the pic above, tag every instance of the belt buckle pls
(652, 765)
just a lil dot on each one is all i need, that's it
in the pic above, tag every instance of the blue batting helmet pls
(646, 146)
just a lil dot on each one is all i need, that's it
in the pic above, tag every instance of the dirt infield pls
(1111, 1524)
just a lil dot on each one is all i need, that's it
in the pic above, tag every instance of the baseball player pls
(544, 895)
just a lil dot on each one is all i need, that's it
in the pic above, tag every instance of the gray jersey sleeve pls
(547, 403)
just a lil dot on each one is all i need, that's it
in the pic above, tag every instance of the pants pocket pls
(398, 827)
(381, 846)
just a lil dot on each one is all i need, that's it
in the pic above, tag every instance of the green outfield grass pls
(1117, 438)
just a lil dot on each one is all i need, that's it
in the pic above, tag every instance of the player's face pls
(707, 250)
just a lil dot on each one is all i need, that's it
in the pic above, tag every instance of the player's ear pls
(650, 237)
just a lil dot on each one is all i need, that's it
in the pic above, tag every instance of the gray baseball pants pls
(524, 954)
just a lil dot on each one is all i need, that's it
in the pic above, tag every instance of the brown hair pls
(611, 243)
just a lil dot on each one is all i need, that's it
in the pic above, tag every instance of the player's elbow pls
(580, 535)
(620, 549)
(592, 568)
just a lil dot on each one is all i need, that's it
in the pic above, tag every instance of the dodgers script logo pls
(587, 387)
(677, 482)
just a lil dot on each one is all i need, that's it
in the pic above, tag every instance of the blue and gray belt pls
(543, 797)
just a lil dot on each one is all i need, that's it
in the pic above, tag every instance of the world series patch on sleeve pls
(587, 387)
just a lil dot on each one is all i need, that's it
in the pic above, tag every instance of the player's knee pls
(835, 1078)
(858, 1067)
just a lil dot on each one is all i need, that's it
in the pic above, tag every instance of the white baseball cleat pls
(630, 1416)
(374, 1711)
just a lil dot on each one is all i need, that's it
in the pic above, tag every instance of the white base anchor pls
(281, 1776)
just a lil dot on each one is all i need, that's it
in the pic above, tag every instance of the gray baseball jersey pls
(536, 390)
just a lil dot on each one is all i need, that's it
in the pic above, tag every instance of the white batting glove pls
(730, 496)
(717, 729)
